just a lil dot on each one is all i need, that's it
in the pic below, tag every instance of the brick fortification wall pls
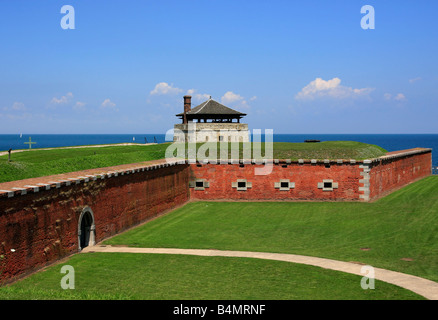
(41, 227)
(321, 180)
(396, 170)
(39, 223)
(301, 181)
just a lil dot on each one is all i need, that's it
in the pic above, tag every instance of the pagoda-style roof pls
(212, 108)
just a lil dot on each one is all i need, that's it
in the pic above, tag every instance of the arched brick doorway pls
(86, 229)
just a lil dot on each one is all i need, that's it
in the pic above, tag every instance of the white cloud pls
(235, 99)
(387, 96)
(400, 97)
(231, 97)
(108, 104)
(198, 96)
(164, 88)
(63, 99)
(19, 106)
(79, 105)
(320, 88)
(202, 96)
(414, 80)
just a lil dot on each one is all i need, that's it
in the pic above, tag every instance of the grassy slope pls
(37, 163)
(402, 225)
(164, 277)
(327, 150)
(294, 151)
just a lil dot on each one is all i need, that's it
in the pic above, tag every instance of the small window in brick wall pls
(241, 185)
(284, 185)
(327, 185)
(199, 184)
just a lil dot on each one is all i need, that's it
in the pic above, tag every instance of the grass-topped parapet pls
(37, 163)
(332, 151)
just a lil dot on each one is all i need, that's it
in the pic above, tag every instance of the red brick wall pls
(392, 174)
(305, 176)
(42, 227)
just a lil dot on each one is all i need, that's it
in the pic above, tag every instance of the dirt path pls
(421, 286)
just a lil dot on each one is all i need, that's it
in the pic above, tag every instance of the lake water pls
(391, 142)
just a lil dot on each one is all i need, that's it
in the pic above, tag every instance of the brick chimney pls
(187, 103)
(187, 106)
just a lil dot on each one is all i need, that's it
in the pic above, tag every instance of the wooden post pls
(9, 155)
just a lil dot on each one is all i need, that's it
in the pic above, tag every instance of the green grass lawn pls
(403, 225)
(382, 234)
(327, 150)
(38, 163)
(167, 277)
(294, 151)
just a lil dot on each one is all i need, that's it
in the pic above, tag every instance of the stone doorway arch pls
(86, 229)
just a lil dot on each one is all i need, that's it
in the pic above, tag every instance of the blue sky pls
(292, 66)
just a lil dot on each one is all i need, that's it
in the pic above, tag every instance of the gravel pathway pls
(421, 286)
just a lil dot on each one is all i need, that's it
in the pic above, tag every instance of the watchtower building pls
(210, 121)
